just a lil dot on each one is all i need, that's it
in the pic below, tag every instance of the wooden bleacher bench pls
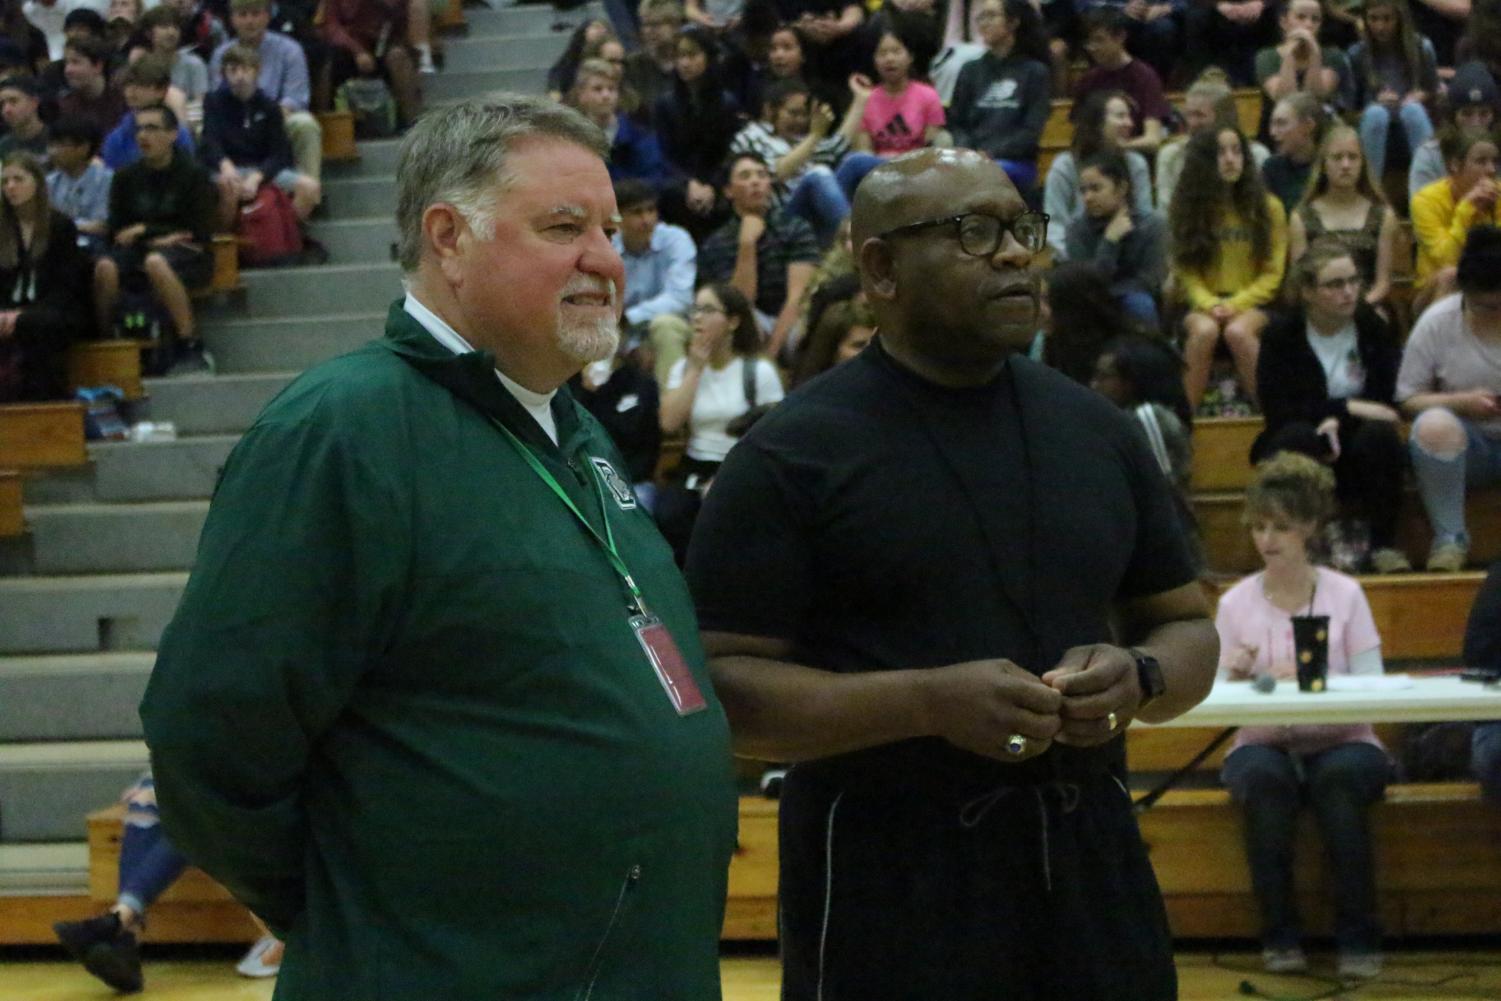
(107, 363)
(338, 136)
(11, 521)
(41, 435)
(451, 21)
(226, 278)
(1222, 450)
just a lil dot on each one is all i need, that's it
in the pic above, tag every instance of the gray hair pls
(456, 154)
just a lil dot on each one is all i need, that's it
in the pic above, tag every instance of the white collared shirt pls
(539, 405)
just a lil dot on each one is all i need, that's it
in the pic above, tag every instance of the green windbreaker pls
(402, 715)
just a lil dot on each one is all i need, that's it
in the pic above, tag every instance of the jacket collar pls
(471, 377)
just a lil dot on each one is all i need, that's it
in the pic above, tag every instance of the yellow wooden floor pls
(1409, 976)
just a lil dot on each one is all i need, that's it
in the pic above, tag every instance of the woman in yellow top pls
(1229, 240)
(1444, 212)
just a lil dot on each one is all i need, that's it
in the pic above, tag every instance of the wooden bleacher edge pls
(12, 520)
(338, 136)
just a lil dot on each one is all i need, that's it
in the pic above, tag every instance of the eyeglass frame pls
(1006, 228)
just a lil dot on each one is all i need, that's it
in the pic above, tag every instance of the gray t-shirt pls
(1442, 356)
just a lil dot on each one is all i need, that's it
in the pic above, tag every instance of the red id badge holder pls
(672, 671)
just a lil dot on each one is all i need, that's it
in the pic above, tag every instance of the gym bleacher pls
(96, 540)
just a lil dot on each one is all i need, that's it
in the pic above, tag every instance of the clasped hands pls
(1084, 701)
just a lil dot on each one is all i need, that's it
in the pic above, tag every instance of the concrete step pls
(87, 613)
(49, 868)
(366, 196)
(115, 538)
(377, 157)
(212, 404)
(88, 696)
(526, 19)
(358, 241)
(49, 788)
(452, 86)
(184, 469)
(260, 344)
(474, 53)
(318, 292)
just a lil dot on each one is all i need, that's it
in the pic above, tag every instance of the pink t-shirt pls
(900, 124)
(1246, 618)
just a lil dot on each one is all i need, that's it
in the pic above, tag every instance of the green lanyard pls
(606, 541)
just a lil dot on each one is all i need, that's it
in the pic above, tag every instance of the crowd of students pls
(133, 135)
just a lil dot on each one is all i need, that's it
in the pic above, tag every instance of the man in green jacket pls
(434, 704)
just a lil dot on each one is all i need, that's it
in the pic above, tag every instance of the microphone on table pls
(1266, 684)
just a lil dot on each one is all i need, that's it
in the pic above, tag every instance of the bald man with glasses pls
(942, 580)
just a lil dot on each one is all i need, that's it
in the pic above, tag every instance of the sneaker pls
(1290, 960)
(1358, 965)
(1388, 560)
(1447, 557)
(425, 64)
(263, 959)
(105, 949)
(192, 359)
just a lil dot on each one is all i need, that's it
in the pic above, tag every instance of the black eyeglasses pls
(980, 235)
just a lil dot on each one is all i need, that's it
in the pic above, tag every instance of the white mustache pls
(586, 286)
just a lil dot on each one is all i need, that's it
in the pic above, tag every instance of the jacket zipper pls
(591, 975)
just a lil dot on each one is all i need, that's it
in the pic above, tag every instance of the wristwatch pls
(1148, 676)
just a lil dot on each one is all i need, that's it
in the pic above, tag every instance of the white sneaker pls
(1291, 960)
(1359, 965)
(425, 64)
(256, 962)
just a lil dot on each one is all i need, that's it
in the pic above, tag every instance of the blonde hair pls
(1292, 485)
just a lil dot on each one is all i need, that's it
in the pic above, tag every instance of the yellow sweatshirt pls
(1232, 278)
(1441, 227)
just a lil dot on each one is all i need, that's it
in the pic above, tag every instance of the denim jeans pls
(1376, 122)
(852, 170)
(1339, 784)
(818, 198)
(1141, 307)
(1442, 482)
(148, 862)
(1485, 758)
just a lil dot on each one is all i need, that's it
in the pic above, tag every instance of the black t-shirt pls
(627, 405)
(881, 522)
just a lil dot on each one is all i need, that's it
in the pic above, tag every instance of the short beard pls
(589, 342)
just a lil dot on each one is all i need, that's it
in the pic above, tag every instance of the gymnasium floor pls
(1410, 976)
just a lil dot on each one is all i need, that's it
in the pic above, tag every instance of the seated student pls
(78, 184)
(1126, 245)
(43, 289)
(901, 114)
(1228, 35)
(89, 94)
(1228, 236)
(1152, 30)
(649, 70)
(122, 22)
(202, 28)
(1209, 103)
(284, 79)
(81, 23)
(1003, 99)
(1328, 375)
(366, 38)
(26, 36)
(1271, 771)
(244, 142)
(108, 945)
(1395, 74)
(661, 264)
(1449, 385)
(1101, 124)
(1470, 106)
(582, 44)
(1298, 63)
(1115, 70)
(1342, 201)
(49, 16)
(1443, 22)
(1080, 314)
(25, 131)
(766, 252)
(795, 141)
(1296, 128)
(1447, 211)
(1482, 651)
(834, 42)
(706, 392)
(189, 74)
(161, 217)
(695, 122)
(961, 46)
(634, 151)
(145, 83)
(842, 331)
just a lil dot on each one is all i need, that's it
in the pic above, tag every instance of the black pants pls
(1029, 892)
(1367, 474)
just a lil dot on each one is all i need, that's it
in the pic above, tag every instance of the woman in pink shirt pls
(1271, 771)
(901, 114)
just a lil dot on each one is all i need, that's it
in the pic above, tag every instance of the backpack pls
(370, 101)
(268, 229)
